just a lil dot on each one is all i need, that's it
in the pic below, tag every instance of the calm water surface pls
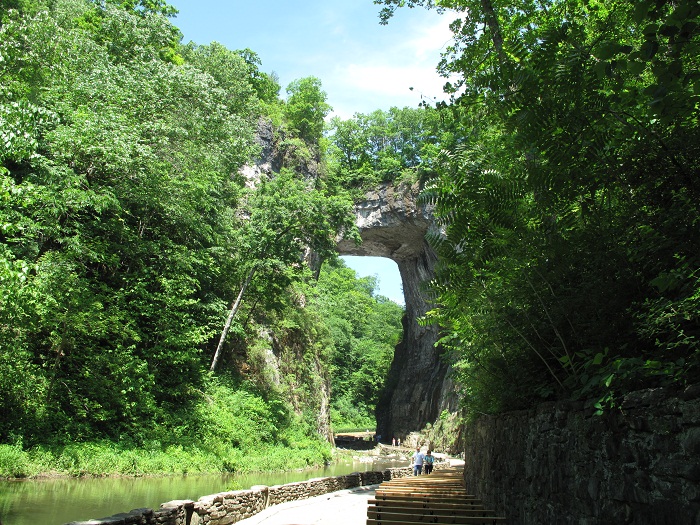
(59, 501)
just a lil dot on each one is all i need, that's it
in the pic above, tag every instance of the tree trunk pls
(231, 315)
(494, 28)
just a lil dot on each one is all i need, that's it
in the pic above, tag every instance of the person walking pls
(428, 461)
(418, 458)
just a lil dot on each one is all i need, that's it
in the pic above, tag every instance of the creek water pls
(59, 501)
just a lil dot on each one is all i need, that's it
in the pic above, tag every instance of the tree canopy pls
(384, 146)
(307, 108)
(569, 260)
(127, 230)
(364, 329)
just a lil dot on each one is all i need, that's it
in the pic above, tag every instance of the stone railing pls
(229, 507)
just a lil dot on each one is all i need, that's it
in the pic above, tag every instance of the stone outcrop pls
(277, 152)
(560, 463)
(392, 224)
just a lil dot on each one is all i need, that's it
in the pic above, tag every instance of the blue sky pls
(386, 271)
(362, 65)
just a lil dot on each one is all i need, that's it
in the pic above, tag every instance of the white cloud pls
(383, 78)
(392, 80)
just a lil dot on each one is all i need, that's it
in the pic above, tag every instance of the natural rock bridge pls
(392, 224)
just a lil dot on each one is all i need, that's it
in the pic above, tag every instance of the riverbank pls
(235, 506)
(98, 460)
(104, 459)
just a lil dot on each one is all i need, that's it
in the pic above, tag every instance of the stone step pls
(439, 498)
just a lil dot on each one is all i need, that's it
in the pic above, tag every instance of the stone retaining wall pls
(229, 507)
(560, 463)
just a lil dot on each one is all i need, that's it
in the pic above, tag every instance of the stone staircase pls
(440, 498)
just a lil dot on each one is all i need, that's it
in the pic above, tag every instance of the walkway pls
(345, 507)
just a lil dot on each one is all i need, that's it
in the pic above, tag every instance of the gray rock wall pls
(418, 387)
(560, 463)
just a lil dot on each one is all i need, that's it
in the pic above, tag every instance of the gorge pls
(393, 224)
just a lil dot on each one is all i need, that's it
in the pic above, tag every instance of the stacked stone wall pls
(229, 507)
(561, 463)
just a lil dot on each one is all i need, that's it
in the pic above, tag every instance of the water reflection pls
(59, 501)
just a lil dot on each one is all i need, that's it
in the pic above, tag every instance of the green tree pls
(307, 108)
(233, 73)
(394, 145)
(124, 227)
(266, 85)
(568, 251)
(364, 329)
(116, 187)
(284, 217)
(144, 6)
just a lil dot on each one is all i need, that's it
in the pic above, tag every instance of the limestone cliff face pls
(393, 225)
(276, 152)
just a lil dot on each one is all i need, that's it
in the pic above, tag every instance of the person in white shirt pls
(418, 458)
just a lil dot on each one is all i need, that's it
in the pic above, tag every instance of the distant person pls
(398, 442)
(393, 442)
(428, 460)
(418, 458)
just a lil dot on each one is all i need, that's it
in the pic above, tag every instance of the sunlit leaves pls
(20, 125)
(307, 108)
(401, 144)
(364, 329)
(119, 191)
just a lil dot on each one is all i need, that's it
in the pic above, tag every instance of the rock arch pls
(392, 224)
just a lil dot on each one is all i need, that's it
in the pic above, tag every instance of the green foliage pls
(306, 109)
(233, 417)
(385, 146)
(364, 329)
(14, 462)
(284, 216)
(350, 417)
(266, 85)
(238, 77)
(120, 224)
(446, 434)
(569, 256)
(144, 6)
(230, 428)
(125, 229)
